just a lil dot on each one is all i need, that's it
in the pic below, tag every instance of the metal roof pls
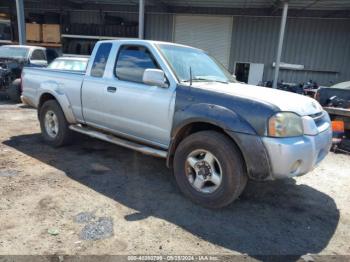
(293, 4)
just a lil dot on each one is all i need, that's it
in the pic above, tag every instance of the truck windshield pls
(186, 61)
(13, 52)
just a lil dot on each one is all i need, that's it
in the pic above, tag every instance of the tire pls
(63, 134)
(228, 162)
(14, 91)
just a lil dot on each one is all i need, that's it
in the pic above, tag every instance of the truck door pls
(94, 89)
(121, 103)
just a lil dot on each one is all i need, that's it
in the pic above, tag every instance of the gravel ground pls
(96, 198)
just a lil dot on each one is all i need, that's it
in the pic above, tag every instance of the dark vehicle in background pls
(308, 88)
(70, 63)
(12, 60)
(337, 95)
(336, 101)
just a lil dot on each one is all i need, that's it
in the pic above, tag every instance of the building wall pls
(321, 45)
(94, 17)
(159, 26)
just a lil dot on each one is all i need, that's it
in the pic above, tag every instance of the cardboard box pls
(51, 33)
(33, 32)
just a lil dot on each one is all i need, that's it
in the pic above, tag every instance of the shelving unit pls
(93, 37)
(51, 45)
(6, 42)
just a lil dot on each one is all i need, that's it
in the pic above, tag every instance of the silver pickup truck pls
(179, 103)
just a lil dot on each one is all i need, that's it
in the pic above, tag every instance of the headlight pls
(285, 124)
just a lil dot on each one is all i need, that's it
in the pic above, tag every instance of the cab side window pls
(132, 61)
(101, 57)
(38, 55)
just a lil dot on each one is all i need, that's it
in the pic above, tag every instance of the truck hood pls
(11, 59)
(11, 63)
(285, 101)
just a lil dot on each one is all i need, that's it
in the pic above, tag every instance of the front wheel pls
(54, 126)
(209, 169)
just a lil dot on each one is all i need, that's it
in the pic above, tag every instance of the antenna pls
(190, 76)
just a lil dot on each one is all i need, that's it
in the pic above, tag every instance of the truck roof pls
(142, 41)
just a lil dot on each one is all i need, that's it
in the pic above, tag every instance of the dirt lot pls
(96, 198)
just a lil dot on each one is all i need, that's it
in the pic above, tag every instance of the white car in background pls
(70, 63)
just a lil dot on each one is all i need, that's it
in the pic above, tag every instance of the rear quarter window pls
(100, 61)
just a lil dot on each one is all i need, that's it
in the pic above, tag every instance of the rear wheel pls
(54, 126)
(209, 169)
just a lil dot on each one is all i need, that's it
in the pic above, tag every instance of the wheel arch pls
(194, 126)
(204, 116)
(63, 102)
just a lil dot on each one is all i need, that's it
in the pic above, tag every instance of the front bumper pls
(296, 156)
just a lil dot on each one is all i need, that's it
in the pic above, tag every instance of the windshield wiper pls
(205, 80)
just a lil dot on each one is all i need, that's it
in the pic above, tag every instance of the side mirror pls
(154, 77)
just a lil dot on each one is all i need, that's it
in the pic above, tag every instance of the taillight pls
(317, 96)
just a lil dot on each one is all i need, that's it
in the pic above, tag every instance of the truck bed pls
(35, 80)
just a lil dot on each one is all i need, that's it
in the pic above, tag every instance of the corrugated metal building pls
(242, 34)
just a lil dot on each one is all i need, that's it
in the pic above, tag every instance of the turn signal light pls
(338, 126)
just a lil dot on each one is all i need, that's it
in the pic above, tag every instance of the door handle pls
(111, 89)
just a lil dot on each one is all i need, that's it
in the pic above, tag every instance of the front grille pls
(317, 116)
(320, 120)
